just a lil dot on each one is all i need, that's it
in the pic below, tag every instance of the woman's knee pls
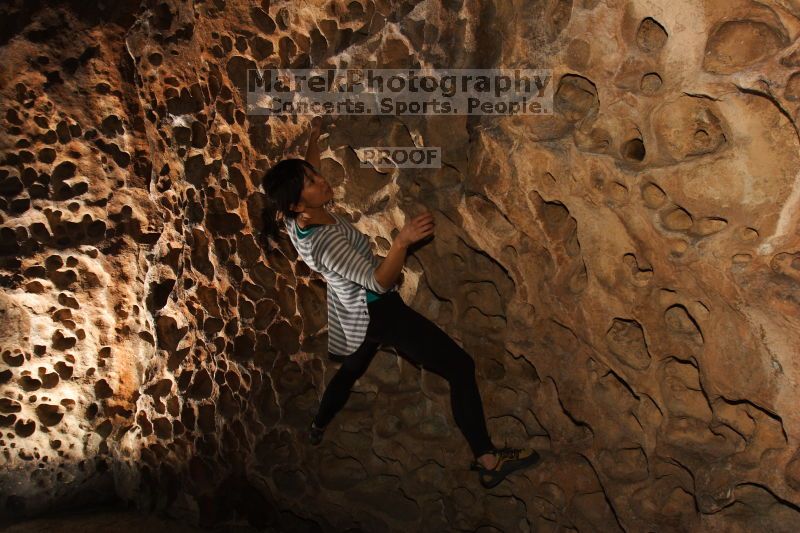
(463, 366)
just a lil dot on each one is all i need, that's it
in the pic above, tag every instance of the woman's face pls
(316, 190)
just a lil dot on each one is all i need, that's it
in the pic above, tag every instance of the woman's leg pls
(422, 341)
(338, 390)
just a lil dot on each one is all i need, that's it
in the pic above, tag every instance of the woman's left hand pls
(316, 126)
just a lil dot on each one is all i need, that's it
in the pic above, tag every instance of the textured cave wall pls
(626, 272)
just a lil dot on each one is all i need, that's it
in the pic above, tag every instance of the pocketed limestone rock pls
(623, 271)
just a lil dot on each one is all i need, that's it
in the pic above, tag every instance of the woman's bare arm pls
(312, 152)
(417, 229)
(389, 270)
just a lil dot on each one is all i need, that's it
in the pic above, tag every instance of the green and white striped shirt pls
(342, 255)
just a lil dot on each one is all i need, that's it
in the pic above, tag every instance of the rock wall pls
(625, 272)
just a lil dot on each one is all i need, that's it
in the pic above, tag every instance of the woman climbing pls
(365, 310)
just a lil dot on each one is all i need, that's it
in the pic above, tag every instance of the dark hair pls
(283, 184)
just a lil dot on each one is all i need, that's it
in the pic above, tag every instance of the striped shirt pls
(308, 230)
(343, 256)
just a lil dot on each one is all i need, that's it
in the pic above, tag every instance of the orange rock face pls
(625, 272)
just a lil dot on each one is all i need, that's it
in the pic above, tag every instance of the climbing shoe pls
(508, 460)
(315, 434)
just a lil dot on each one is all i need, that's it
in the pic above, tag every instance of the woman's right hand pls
(416, 229)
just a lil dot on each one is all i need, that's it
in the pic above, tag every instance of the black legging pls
(423, 342)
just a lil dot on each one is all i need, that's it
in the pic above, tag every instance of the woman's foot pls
(488, 460)
(315, 434)
(494, 467)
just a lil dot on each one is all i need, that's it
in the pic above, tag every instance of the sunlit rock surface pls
(625, 272)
